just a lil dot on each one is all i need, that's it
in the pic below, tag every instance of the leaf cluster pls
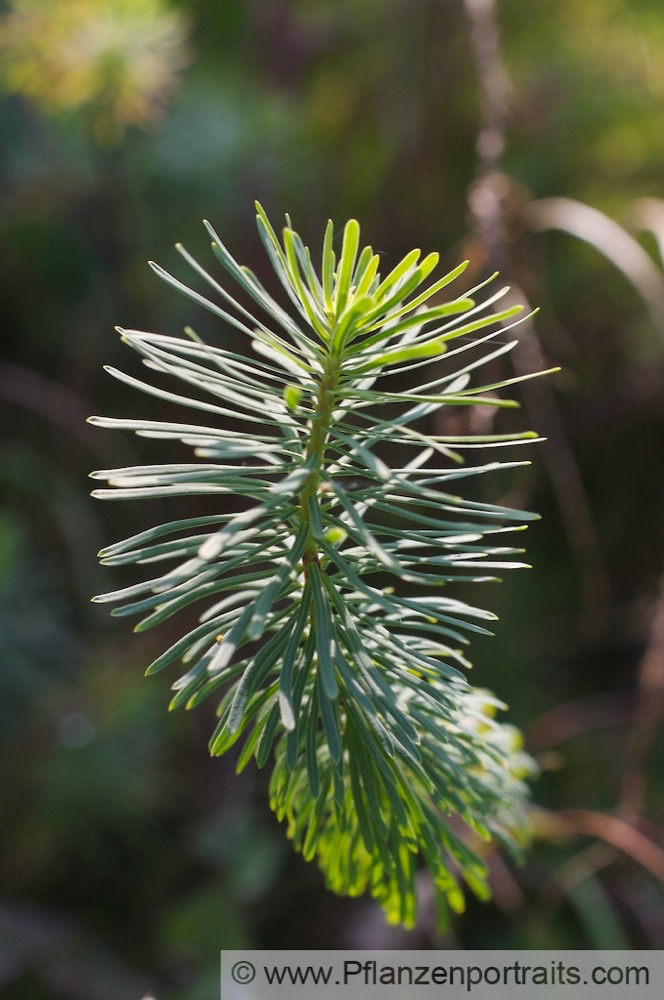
(327, 634)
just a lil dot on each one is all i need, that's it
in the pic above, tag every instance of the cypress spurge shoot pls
(328, 633)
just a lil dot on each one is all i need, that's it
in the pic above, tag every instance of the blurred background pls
(525, 137)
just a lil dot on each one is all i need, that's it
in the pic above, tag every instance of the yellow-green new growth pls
(328, 632)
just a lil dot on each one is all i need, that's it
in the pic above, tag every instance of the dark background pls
(128, 858)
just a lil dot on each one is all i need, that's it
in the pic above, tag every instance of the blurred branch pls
(60, 406)
(567, 483)
(622, 250)
(612, 830)
(612, 241)
(649, 709)
(507, 893)
(581, 866)
(487, 200)
(485, 195)
(615, 833)
(578, 716)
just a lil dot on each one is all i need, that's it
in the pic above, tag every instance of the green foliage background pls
(126, 852)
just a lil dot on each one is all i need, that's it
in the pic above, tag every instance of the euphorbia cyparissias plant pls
(328, 631)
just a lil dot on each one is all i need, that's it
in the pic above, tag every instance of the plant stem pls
(320, 428)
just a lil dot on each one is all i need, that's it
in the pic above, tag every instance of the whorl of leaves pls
(327, 633)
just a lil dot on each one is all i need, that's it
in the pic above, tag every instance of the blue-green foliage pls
(326, 632)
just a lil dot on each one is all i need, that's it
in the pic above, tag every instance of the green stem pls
(320, 429)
